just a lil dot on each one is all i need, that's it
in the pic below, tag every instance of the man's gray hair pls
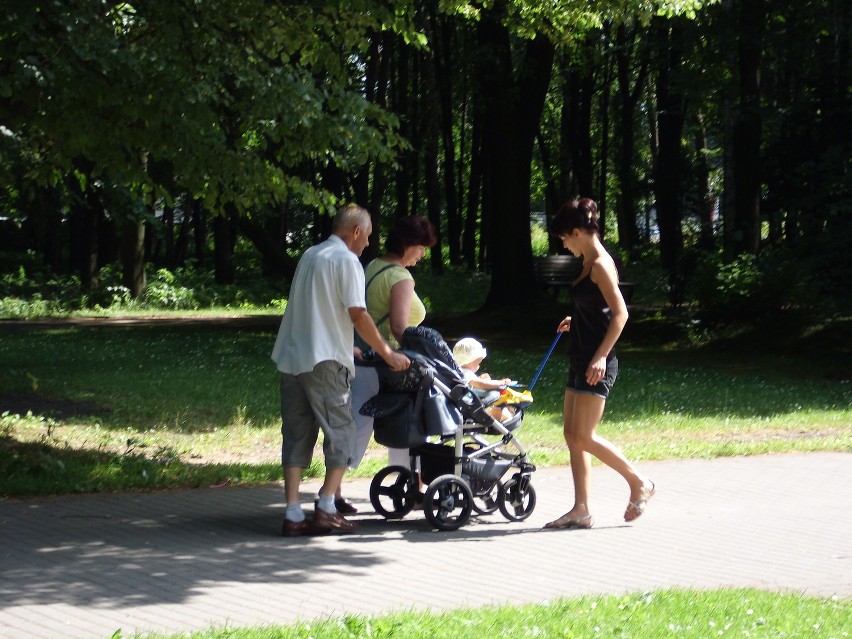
(348, 217)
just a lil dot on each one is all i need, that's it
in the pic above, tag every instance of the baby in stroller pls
(469, 353)
(468, 452)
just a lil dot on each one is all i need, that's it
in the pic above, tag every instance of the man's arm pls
(366, 328)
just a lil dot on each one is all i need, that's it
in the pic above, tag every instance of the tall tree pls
(667, 181)
(747, 128)
(510, 121)
(632, 63)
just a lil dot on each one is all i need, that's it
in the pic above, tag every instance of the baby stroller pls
(470, 453)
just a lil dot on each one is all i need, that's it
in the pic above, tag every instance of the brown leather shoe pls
(344, 506)
(301, 528)
(333, 521)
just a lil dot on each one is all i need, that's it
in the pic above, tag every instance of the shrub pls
(750, 287)
(163, 291)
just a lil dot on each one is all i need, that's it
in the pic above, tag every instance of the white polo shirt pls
(316, 326)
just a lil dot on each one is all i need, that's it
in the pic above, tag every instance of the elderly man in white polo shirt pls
(314, 353)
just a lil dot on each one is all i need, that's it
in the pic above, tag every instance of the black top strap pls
(380, 271)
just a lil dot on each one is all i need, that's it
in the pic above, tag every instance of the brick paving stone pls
(84, 566)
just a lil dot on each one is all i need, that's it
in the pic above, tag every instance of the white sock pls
(326, 504)
(294, 513)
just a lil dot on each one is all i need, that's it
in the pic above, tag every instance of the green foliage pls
(234, 98)
(32, 308)
(163, 292)
(751, 287)
(540, 239)
(189, 288)
(456, 290)
(38, 293)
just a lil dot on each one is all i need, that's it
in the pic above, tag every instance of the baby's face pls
(475, 364)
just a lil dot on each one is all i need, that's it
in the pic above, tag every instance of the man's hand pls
(397, 361)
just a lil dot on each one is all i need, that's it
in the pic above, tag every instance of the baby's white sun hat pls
(468, 350)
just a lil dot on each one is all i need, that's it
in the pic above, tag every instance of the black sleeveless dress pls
(590, 320)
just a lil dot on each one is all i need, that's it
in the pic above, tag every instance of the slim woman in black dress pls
(599, 317)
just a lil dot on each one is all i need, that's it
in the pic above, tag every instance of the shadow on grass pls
(29, 469)
(62, 408)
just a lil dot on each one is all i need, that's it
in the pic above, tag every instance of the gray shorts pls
(314, 401)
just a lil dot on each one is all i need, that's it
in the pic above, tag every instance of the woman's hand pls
(564, 325)
(596, 371)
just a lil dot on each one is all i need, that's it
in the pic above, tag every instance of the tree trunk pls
(627, 101)
(567, 185)
(576, 163)
(603, 110)
(275, 261)
(511, 121)
(443, 72)
(431, 133)
(474, 189)
(133, 256)
(85, 213)
(670, 116)
(380, 180)
(182, 241)
(169, 235)
(401, 105)
(552, 192)
(199, 228)
(223, 254)
(361, 181)
(417, 137)
(747, 129)
(579, 130)
(706, 212)
(50, 206)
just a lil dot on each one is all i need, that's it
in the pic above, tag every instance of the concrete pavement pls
(88, 565)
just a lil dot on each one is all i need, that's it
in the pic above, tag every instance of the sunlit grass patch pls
(678, 614)
(207, 397)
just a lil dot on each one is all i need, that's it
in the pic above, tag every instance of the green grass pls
(141, 407)
(674, 614)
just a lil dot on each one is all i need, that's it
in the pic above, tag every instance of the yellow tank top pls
(379, 294)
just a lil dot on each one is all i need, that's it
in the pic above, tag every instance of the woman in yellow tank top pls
(394, 306)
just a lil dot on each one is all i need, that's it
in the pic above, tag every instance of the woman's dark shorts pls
(577, 377)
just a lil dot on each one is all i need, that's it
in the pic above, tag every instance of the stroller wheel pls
(485, 503)
(448, 502)
(392, 492)
(516, 499)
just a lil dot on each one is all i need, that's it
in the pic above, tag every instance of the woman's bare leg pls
(582, 413)
(581, 463)
(588, 410)
(581, 460)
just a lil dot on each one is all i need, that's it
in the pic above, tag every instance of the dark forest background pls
(716, 137)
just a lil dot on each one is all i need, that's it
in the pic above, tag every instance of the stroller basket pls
(437, 459)
(486, 468)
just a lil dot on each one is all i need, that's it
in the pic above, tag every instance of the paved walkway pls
(86, 566)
